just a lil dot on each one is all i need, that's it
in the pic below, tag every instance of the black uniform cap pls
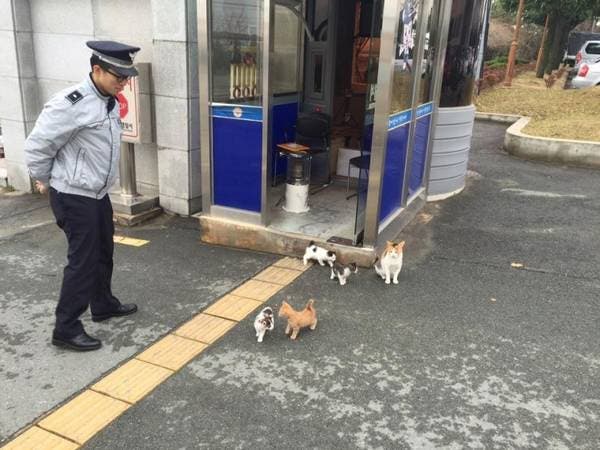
(115, 55)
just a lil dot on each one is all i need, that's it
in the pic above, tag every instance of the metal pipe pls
(267, 92)
(127, 170)
(203, 14)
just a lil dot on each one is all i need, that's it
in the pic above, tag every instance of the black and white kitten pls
(319, 254)
(265, 321)
(342, 272)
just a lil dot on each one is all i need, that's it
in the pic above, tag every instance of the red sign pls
(123, 105)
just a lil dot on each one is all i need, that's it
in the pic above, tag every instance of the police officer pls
(73, 153)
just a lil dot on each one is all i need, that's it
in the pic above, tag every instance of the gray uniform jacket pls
(75, 142)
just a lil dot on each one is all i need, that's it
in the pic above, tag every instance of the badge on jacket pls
(74, 97)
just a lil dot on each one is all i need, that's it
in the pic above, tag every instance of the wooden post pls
(510, 67)
(541, 50)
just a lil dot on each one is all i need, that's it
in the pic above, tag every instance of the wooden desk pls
(293, 147)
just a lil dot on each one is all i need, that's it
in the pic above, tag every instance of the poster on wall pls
(404, 49)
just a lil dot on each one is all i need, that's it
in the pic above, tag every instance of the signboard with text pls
(129, 113)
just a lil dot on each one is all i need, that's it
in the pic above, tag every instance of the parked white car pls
(589, 52)
(588, 75)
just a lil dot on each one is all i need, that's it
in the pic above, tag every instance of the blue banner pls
(424, 109)
(399, 119)
(240, 112)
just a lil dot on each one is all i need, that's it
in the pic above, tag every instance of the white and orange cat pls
(319, 254)
(389, 264)
(298, 319)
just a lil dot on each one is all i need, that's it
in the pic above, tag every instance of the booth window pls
(320, 20)
(429, 52)
(236, 39)
(461, 53)
(318, 74)
(284, 59)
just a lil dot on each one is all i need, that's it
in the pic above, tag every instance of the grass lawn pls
(555, 112)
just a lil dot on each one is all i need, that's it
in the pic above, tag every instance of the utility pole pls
(541, 50)
(510, 67)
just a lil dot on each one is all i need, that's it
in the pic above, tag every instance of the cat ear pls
(401, 244)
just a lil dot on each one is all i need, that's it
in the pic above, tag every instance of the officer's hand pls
(41, 187)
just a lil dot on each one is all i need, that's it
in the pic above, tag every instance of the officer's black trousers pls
(88, 225)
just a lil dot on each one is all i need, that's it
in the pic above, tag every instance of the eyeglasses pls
(120, 78)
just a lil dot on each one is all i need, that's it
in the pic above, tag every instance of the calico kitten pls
(343, 272)
(320, 254)
(264, 322)
(390, 262)
(298, 319)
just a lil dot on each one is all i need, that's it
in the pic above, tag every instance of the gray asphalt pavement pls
(171, 278)
(466, 352)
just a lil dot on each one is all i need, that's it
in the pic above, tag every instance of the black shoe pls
(81, 343)
(122, 310)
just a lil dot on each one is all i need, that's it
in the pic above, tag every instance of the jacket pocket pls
(77, 168)
(85, 176)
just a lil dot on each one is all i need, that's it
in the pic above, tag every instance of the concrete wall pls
(450, 151)
(42, 46)
(176, 104)
(19, 102)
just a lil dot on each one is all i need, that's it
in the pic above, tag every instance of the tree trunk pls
(547, 45)
(556, 50)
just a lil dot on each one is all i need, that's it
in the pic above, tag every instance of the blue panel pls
(283, 121)
(393, 171)
(237, 155)
(419, 153)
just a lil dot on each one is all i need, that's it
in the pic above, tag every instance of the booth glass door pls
(371, 15)
(235, 32)
(424, 103)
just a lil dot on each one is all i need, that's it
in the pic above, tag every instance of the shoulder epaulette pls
(74, 96)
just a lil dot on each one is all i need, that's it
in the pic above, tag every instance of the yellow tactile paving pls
(129, 241)
(132, 381)
(292, 263)
(172, 352)
(257, 290)
(84, 416)
(278, 275)
(205, 328)
(35, 438)
(233, 307)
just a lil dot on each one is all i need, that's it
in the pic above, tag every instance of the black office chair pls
(362, 162)
(314, 130)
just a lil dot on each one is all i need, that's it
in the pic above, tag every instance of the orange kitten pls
(298, 319)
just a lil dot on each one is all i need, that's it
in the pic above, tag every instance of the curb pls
(564, 151)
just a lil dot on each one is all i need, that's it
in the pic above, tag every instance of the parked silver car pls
(588, 74)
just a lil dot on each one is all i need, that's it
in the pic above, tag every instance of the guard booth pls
(365, 73)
